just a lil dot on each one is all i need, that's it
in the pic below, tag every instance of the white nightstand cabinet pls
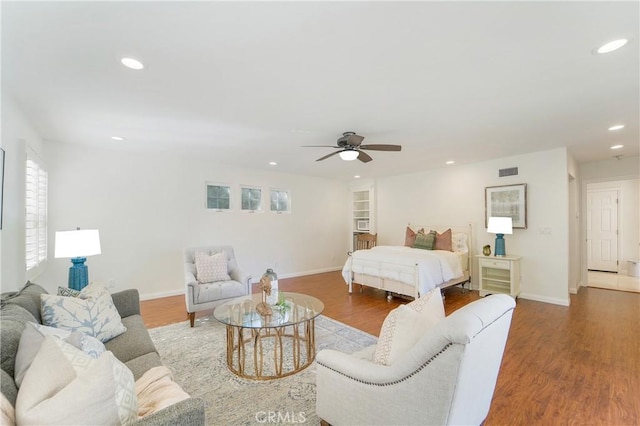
(499, 275)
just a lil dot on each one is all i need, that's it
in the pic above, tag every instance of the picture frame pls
(507, 201)
(1, 184)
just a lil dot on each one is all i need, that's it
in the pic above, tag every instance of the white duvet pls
(400, 263)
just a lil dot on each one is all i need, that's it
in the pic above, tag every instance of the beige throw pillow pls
(66, 386)
(211, 268)
(405, 325)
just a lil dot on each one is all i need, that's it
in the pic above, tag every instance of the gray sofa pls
(134, 348)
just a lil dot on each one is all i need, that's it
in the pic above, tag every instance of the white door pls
(602, 230)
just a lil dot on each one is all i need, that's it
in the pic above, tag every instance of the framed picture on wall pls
(1, 183)
(507, 201)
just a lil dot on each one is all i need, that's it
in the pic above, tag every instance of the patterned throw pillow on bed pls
(425, 241)
(405, 325)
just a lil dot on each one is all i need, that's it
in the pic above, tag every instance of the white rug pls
(197, 357)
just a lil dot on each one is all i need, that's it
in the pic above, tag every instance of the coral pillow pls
(405, 325)
(443, 241)
(211, 268)
(410, 237)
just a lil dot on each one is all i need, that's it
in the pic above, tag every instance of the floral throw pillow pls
(92, 313)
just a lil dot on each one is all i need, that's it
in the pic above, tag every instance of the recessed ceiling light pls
(357, 176)
(273, 163)
(117, 138)
(616, 127)
(450, 162)
(617, 146)
(612, 45)
(134, 64)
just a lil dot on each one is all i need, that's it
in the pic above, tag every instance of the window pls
(218, 197)
(251, 198)
(279, 200)
(35, 214)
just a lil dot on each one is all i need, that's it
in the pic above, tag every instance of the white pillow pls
(406, 324)
(92, 313)
(34, 334)
(210, 268)
(66, 386)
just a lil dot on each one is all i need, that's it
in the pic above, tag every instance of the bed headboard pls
(461, 230)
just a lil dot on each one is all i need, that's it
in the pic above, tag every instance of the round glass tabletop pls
(293, 308)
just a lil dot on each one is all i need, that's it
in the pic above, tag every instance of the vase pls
(273, 298)
(486, 250)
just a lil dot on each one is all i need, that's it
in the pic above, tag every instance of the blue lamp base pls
(500, 249)
(78, 274)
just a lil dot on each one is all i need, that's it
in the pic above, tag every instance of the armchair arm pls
(187, 412)
(237, 275)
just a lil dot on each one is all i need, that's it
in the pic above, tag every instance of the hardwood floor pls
(562, 365)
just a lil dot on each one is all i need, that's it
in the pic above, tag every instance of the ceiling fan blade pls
(319, 146)
(327, 156)
(364, 157)
(354, 140)
(380, 147)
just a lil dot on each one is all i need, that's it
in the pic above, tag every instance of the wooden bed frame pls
(401, 288)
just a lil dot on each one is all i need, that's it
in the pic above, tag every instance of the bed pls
(412, 271)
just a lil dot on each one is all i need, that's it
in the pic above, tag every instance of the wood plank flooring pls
(562, 365)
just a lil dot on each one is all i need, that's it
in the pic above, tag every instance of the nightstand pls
(499, 275)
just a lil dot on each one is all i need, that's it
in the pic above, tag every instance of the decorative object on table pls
(486, 250)
(263, 307)
(273, 297)
(507, 201)
(500, 226)
(77, 245)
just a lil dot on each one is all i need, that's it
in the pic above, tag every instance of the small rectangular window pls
(279, 200)
(218, 197)
(251, 198)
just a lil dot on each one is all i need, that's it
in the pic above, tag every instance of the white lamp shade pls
(79, 243)
(349, 155)
(500, 225)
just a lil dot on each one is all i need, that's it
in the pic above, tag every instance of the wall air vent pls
(511, 171)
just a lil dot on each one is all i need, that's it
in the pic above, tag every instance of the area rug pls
(197, 357)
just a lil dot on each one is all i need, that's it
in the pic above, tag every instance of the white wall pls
(17, 134)
(149, 207)
(455, 195)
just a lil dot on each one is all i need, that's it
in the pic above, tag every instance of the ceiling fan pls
(349, 148)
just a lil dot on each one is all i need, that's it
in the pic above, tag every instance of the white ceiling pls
(246, 83)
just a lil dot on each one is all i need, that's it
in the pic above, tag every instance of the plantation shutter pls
(35, 214)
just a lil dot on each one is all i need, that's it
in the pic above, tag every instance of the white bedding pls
(400, 263)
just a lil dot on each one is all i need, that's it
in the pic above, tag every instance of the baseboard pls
(544, 299)
(254, 280)
(150, 296)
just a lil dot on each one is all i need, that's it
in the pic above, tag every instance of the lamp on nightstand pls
(500, 226)
(77, 245)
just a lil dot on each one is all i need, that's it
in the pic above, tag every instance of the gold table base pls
(302, 351)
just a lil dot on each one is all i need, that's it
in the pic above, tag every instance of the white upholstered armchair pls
(218, 285)
(448, 377)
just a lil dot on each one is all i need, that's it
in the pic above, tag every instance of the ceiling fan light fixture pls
(349, 155)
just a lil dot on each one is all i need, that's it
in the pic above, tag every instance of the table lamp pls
(500, 226)
(77, 245)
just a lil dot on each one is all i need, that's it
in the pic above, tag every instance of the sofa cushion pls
(12, 321)
(27, 297)
(140, 365)
(62, 376)
(134, 343)
(93, 313)
(211, 268)
(406, 324)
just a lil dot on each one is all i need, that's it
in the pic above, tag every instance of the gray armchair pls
(203, 296)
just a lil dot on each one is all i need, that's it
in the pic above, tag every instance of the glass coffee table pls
(269, 347)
